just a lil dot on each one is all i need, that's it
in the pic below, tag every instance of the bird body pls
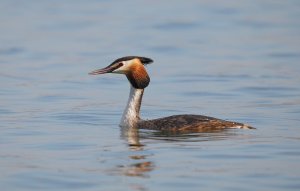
(135, 71)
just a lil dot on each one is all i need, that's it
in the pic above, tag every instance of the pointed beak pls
(105, 70)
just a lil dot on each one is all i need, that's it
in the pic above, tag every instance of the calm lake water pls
(235, 60)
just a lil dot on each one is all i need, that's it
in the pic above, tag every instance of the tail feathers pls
(245, 126)
(242, 126)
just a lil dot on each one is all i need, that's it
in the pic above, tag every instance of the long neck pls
(131, 114)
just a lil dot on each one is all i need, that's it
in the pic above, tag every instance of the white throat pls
(131, 114)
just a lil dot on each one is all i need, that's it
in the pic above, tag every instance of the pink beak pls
(105, 70)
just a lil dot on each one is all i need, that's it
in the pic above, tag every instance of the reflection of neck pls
(131, 114)
(131, 135)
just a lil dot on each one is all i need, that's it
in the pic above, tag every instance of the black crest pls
(144, 60)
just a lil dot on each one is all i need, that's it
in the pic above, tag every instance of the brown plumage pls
(192, 123)
(137, 75)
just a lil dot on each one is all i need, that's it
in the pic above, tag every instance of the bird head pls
(132, 67)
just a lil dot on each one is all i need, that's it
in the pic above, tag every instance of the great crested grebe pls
(133, 68)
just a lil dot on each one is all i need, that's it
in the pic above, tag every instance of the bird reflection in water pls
(140, 166)
(131, 135)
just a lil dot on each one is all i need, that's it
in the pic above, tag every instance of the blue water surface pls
(235, 60)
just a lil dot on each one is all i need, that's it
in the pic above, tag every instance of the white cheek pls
(118, 71)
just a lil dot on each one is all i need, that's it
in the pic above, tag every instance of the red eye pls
(117, 65)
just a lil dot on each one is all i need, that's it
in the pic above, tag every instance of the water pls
(235, 60)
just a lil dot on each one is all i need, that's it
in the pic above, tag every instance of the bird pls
(133, 67)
